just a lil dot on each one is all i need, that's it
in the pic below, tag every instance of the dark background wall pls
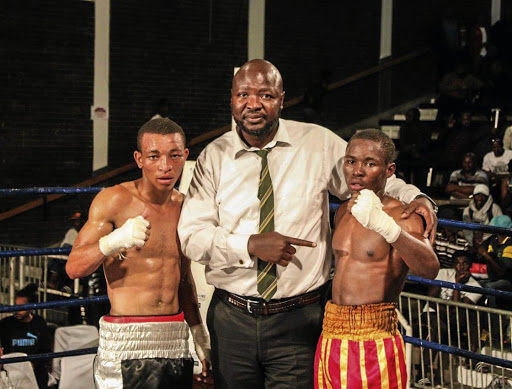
(185, 51)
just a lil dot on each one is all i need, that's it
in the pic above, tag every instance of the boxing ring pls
(498, 361)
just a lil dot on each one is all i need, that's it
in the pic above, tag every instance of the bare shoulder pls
(340, 212)
(110, 200)
(177, 196)
(413, 224)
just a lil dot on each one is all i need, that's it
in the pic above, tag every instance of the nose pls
(358, 169)
(253, 102)
(165, 165)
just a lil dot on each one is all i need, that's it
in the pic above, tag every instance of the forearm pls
(188, 301)
(417, 254)
(397, 188)
(84, 260)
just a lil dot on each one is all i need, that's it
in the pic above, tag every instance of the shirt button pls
(241, 262)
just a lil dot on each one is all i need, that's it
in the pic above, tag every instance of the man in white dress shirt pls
(268, 342)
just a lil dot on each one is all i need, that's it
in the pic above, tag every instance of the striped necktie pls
(267, 280)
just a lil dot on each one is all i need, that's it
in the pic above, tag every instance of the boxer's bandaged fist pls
(201, 342)
(131, 233)
(368, 211)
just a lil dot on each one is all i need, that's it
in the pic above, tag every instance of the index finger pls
(300, 242)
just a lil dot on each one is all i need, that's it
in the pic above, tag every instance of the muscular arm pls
(86, 257)
(187, 294)
(415, 250)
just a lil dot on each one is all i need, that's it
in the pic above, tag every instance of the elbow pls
(431, 271)
(71, 271)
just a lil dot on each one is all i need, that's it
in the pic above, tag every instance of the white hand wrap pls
(368, 211)
(201, 342)
(131, 233)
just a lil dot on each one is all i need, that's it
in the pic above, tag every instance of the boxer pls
(131, 232)
(374, 248)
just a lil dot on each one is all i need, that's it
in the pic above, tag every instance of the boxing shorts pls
(360, 347)
(143, 352)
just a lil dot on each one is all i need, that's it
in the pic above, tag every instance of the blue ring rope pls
(53, 304)
(48, 190)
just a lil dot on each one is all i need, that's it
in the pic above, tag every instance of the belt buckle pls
(249, 306)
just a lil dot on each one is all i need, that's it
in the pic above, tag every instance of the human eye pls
(153, 157)
(242, 94)
(267, 96)
(176, 156)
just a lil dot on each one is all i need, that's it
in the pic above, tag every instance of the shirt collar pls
(281, 139)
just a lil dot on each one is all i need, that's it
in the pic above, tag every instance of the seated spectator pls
(506, 191)
(507, 138)
(449, 239)
(495, 162)
(414, 143)
(27, 333)
(435, 322)
(459, 87)
(497, 252)
(57, 277)
(458, 140)
(481, 209)
(485, 135)
(18, 375)
(462, 182)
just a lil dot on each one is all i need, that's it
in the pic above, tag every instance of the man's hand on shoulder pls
(425, 208)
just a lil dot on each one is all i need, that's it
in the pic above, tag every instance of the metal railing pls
(475, 328)
(18, 271)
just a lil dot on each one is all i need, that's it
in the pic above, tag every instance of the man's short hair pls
(162, 126)
(462, 253)
(386, 143)
(29, 292)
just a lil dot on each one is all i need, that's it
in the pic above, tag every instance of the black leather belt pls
(258, 306)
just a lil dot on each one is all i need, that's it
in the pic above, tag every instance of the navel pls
(370, 253)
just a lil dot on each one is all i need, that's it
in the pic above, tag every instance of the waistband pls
(145, 319)
(360, 322)
(121, 341)
(258, 306)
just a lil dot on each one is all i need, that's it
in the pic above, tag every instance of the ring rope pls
(53, 304)
(458, 351)
(48, 190)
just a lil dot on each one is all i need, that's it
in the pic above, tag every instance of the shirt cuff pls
(237, 251)
(434, 205)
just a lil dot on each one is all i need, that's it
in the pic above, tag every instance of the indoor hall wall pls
(46, 77)
(185, 51)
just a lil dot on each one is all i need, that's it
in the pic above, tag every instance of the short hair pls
(29, 292)
(461, 253)
(386, 143)
(470, 155)
(162, 126)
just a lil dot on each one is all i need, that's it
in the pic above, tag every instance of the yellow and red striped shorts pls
(360, 348)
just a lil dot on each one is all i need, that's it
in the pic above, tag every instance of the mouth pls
(357, 186)
(165, 180)
(254, 119)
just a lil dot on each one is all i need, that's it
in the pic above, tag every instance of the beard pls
(265, 130)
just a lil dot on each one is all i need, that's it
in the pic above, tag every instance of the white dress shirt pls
(221, 208)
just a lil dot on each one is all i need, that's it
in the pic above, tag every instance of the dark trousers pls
(255, 352)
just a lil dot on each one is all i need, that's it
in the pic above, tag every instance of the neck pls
(152, 195)
(257, 141)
